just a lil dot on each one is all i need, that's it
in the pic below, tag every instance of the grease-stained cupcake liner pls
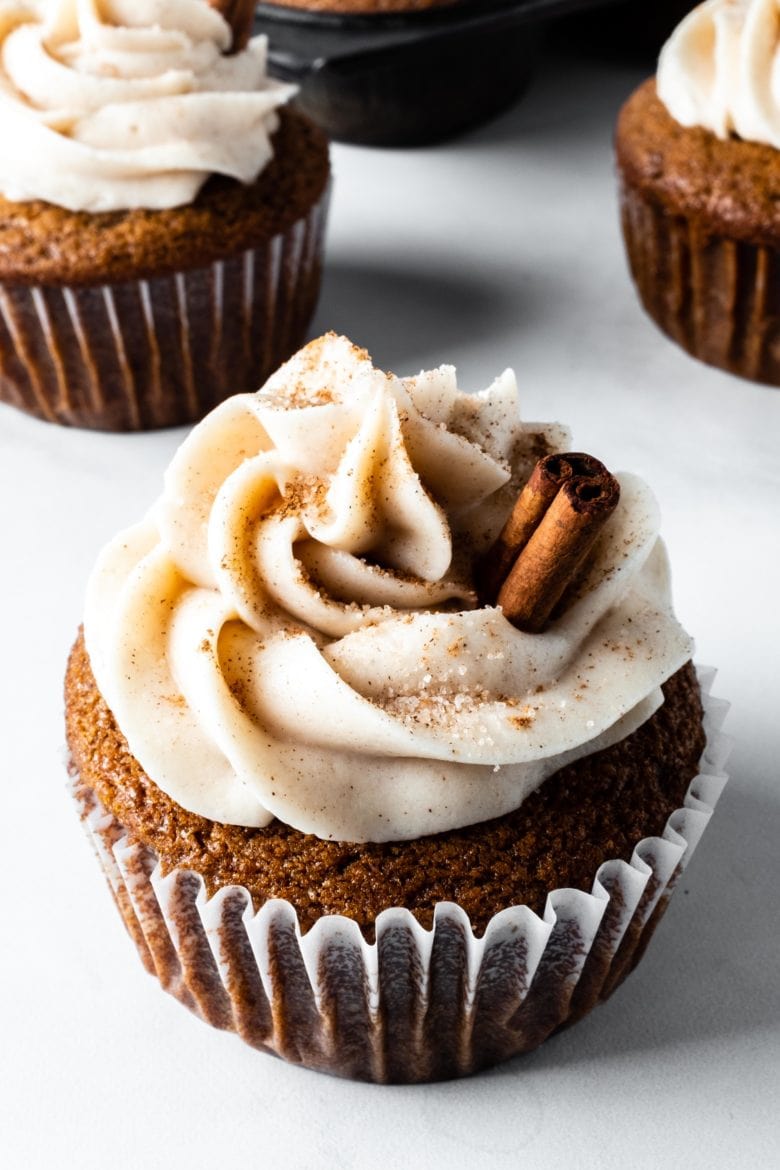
(716, 297)
(416, 1004)
(141, 354)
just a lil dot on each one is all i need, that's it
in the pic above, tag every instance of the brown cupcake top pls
(729, 186)
(44, 244)
(592, 810)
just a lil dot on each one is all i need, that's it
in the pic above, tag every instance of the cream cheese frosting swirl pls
(720, 69)
(107, 105)
(292, 631)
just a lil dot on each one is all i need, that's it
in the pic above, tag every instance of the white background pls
(500, 249)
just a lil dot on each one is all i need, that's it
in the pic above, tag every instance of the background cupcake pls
(697, 153)
(291, 693)
(161, 215)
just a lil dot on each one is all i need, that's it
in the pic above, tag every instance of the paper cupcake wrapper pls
(416, 1004)
(717, 298)
(164, 351)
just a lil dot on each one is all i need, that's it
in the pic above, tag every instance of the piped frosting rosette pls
(113, 104)
(720, 69)
(292, 631)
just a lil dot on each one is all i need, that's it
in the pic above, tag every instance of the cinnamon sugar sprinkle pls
(445, 707)
(298, 396)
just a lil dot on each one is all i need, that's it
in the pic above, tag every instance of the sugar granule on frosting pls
(351, 672)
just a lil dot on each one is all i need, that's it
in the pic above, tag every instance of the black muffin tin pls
(632, 32)
(411, 79)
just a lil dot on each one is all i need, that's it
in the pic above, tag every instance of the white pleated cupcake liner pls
(416, 1004)
(163, 351)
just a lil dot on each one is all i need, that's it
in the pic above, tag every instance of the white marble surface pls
(500, 249)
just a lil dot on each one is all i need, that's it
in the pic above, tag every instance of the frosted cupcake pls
(699, 165)
(348, 806)
(161, 211)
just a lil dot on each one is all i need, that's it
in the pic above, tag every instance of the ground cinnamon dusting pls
(592, 810)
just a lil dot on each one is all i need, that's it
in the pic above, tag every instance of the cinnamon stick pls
(552, 528)
(240, 15)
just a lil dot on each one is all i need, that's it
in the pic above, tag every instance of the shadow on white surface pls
(567, 97)
(709, 975)
(401, 312)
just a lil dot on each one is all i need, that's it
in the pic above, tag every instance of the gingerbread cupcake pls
(698, 153)
(161, 211)
(386, 782)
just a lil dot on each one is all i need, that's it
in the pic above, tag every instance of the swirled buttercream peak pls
(720, 69)
(107, 105)
(293, 632)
